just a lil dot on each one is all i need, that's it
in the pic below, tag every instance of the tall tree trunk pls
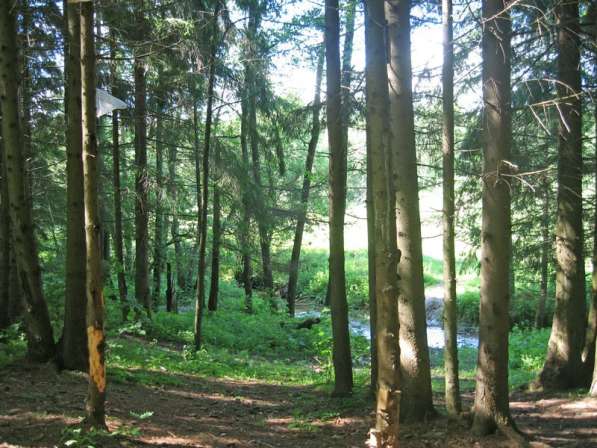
(302, 214)
(73, 344)
(141, 179)
(200, 302)
(452, 394)
(212, 303)
(158, 243)
(244, 238)
(261, 215)
(337, 171)
(118, 234)
(563, 364)
(5, 315)
(386, 252)
(93, 229)
(545, 246)
(170, 290)
(491, 408)
(588, 355)
(41, 345)
(26, 100)
(371, 268)
(416, 398)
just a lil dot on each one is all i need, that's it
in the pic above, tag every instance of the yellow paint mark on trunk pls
(97, 367)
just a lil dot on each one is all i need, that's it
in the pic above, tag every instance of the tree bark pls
(386, 252)
(563, 363)
(141, 179)
(452, 393)
(491, 408)
(302, 214)
(200, 302)
(545, 246)
(588, 355)
(212, 304)
(41, 345)
(73, 343)
(337, 171)
(118, 234)
(170, 290)
(158, 239)
(5, 315)
(93, 229)
(261, 215)
(415, 378)
(244, 236)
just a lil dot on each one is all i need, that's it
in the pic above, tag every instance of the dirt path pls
(37, 404)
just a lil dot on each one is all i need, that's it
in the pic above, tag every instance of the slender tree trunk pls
(5, 315)
(491, 408)
(302, 214)
(173, 189)
(244, 239)
(545, 246)
(416, 399)
(41, 345)
(563, 364)
(371, 268)
(26, 100)
(453, 403)
(386, 252)
(212, 304)
(339, 307)
(93, 229)
(261, 215)
(158, 240)
(200, 303)
(118, 234)
(73, 344)
(141, 179)
(170, 291)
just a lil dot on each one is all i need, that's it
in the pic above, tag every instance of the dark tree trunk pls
(302, 214)
(337, 172)
(261, 215)
(41, 345)
(158, 239)
(386, 251)
(563, 363)
(244, 235)
(452, 394)
(141, 176)
(73, 343)
(200, 302)
(93, 229)
(170, 291)
(212, 304)
(545, 246)
(118, 235)
(5, 315)
(491, 408)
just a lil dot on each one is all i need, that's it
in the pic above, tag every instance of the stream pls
(466, 337)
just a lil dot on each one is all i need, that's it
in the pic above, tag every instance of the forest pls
(285, 223)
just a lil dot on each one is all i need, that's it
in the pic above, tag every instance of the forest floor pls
(41, 407)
